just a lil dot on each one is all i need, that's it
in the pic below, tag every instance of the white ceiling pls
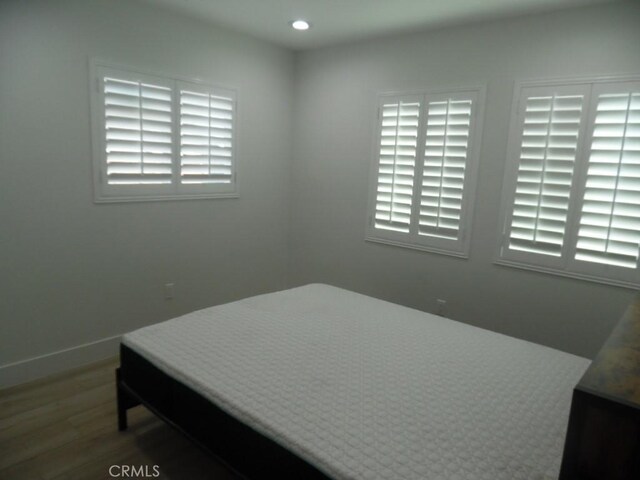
(337, 21)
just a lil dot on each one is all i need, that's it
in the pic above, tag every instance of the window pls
(158, 138)
(424, 171)
(206, 137)
(137, 131)
(572, 185)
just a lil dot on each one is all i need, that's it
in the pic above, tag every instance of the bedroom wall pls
(74, 272)
(333, 148)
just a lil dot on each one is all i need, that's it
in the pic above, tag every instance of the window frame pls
(566, 265)
(512, 169)
(105, 193)
(412, 240)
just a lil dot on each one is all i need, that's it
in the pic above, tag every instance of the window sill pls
(564, 273)
(163, 198)
(413, 246)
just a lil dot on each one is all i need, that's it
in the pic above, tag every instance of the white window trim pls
(176, 191)
(511, 171)
(471, 174)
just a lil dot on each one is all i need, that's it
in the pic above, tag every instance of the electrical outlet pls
(168, 291)
(441, 304)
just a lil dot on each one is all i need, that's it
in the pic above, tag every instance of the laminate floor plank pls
(42, 392)
(65, 428)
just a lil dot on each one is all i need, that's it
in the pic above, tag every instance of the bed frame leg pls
(125, 402)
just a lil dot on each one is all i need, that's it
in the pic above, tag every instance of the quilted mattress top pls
(366, 389)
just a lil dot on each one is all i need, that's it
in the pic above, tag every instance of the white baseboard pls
(33, 368)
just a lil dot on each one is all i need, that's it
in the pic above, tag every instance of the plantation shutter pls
(609, 222)
(206, 136)
(550, 124)
(138, 132)
(397, 151)
(445, 161)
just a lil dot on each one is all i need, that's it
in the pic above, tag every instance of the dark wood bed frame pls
(246, 451)
(602, 442)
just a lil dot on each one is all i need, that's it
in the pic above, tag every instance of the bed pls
(317, 382)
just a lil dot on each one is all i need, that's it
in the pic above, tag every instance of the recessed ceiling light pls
(300, 25)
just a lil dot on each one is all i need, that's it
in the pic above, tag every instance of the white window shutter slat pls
(446, 154)
(160, 138)
(576, 207)
(609, 222)
(397, 151)
(425, 168)
(549, 135)
(206, 137)
(138, 132)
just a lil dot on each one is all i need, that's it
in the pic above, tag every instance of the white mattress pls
(365, 389)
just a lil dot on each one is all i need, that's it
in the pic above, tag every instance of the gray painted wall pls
(333, 148)
(74, 272)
